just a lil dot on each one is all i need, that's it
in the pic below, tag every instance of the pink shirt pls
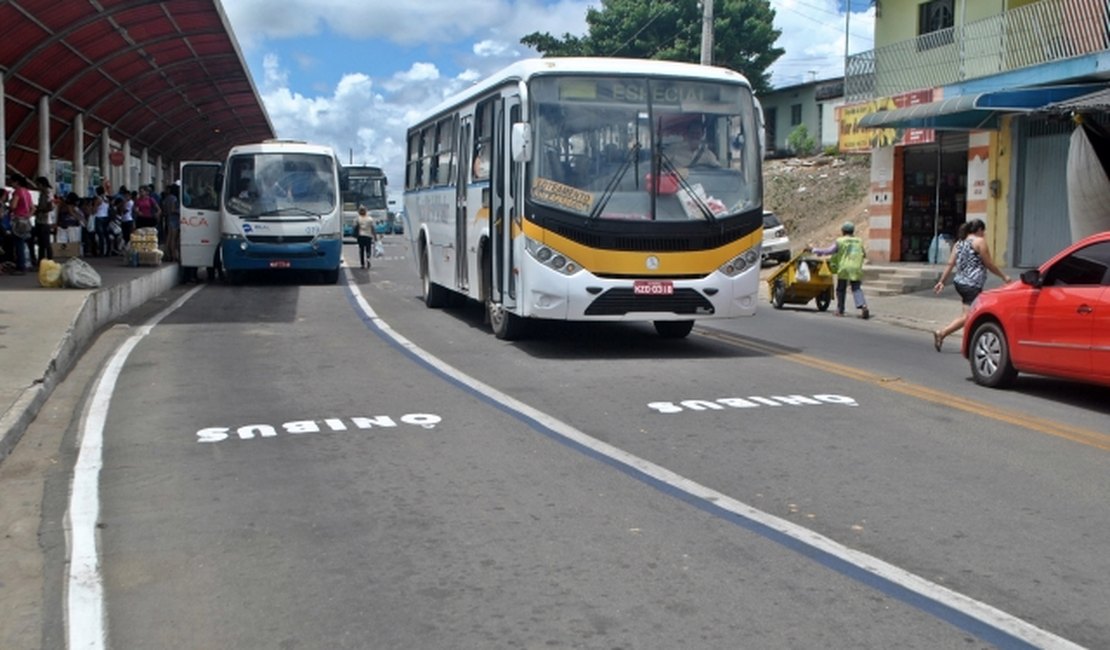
(24, 207)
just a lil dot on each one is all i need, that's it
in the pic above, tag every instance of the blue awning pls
(975, 112)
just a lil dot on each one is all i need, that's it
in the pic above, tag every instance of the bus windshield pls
(364, 190)
(280, 184)
(643, 149)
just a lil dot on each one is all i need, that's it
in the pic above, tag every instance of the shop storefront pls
(933, 200)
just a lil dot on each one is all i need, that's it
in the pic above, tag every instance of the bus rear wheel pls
(674, 329)
(435, 296)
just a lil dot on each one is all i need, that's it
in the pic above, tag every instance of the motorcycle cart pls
(786, 287)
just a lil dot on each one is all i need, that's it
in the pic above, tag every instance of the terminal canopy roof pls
(168, 76)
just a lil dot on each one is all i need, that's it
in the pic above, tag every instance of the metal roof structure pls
(167, 75)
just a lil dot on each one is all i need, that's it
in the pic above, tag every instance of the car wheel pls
(989, 356)
(778, 294)
(674, 329)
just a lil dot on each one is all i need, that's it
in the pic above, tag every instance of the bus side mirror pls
(218, 182)
(344, 180)
(521, 142)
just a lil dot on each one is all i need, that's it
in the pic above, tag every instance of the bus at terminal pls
(273, 205)
(366, 187)
(591, 190)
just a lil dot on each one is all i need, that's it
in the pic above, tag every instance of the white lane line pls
(86, 622)
(866, 565)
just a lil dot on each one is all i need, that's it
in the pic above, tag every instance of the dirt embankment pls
(814, 196)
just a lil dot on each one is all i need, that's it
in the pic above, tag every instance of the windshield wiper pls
(296, 210)
(614, 181)
(666, 165)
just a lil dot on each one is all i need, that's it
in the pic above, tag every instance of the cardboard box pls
(68, 235)
(149, 258)
(66, 250)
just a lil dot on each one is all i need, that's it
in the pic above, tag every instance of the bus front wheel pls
(506, 325)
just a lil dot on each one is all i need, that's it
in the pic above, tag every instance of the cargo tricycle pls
(787, 285)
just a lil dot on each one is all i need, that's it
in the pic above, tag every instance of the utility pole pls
(707, 32)
(847, 18)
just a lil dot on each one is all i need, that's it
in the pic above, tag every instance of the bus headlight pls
(738, 264)
(550, 257)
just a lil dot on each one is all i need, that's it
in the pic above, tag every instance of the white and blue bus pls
(591, 190)
(280, 208)
(365, 189)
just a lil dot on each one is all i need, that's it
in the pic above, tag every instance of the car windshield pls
(770, 220)
(280, 184)
(644, 149)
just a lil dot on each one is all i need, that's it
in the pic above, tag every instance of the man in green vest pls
(846, 260)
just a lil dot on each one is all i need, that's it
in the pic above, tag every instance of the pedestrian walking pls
(847, 255)
(971, 259)
(364, 231)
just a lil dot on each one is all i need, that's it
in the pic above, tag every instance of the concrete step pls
(895, 280)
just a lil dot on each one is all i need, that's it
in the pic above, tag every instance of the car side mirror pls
(1033, 278)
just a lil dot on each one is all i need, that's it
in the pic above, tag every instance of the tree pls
(743, 34)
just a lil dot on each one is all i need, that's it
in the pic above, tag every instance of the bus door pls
(502, 213)
(462, 216)
(200, 213)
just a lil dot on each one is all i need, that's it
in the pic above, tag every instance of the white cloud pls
(813, 37)
(443, 46)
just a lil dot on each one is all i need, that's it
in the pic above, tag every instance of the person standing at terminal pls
(126, 217)
(146, 209)
(100, 220)
(171, 218)
(21, 208)
(847, 257)
(971, 258)
(44, 221)
(364, 230)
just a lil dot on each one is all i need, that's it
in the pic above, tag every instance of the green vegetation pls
(800, 141)
(743, 35)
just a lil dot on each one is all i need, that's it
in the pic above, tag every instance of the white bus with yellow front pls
(591, 190)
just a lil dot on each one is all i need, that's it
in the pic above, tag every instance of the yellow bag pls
(824, 271)
(50, 273)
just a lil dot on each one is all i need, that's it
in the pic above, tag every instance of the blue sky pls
(353, 73)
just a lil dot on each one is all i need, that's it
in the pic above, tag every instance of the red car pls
(1055, 322)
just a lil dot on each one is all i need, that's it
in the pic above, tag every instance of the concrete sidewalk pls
(44, 331)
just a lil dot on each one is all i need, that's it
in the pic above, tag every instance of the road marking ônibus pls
(85, 611)
(980, 619)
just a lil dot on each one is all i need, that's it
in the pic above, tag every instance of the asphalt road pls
(291, 465)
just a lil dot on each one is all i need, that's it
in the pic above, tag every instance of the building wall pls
(899, 17)
(880, 221)
(830, 127)
(783, 102)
